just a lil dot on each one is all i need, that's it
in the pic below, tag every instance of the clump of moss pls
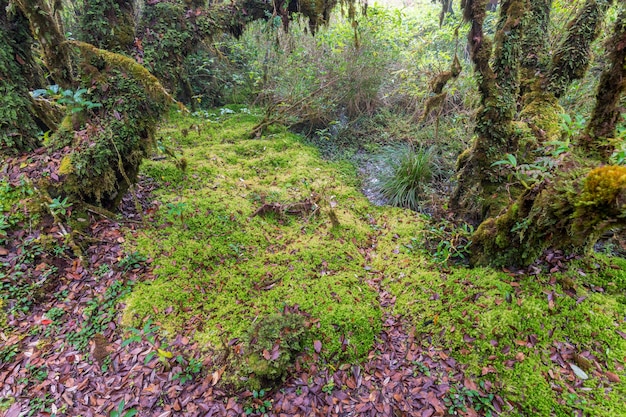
(603, 187)
(274, 343)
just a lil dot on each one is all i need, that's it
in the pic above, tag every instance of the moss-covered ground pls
(220, 271)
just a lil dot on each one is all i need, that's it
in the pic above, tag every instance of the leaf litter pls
(93, 373)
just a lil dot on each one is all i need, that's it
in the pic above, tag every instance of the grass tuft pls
(411, 170)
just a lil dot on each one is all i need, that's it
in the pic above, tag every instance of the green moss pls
(543, 112)
(502, 317)
(274, 343)
(602, 187)
(230, 268)
(231, 275)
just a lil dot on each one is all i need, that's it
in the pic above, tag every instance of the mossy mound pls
(225, 269)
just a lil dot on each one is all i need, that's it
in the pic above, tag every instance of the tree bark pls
(572, 204)
(611, 87)
(48, 31)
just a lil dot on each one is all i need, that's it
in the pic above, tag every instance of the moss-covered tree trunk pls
(567, 206)
(19, 123)
(601, 127)
(47, 29)
(479, 191)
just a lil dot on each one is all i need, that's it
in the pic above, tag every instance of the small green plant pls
(459, 398)
(177, 210)
(148, 333)
(329, 387)
(447, 241)
(38, 405)
(8, 352)
(420, 367)
(411, 169)
(73, 100)
(102, 270)
(258, 404)
(571, 128)
(59, 206)
(526, 174)
(6, 402)
(190, 369)
(132, 261)
(98, 314)
(4, 226)
(619, 155)
(55, 313)
(121, 412)
(36, 373)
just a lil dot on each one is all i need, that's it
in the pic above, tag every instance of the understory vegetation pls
(268, 234)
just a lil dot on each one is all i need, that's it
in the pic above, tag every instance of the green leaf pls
(149, 357)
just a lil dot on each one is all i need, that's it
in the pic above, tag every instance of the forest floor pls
(159, 312)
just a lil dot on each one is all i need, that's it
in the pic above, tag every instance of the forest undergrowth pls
(247, 272)
(252, 226)
(260, 280)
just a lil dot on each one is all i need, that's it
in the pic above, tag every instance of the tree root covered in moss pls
(570, 213)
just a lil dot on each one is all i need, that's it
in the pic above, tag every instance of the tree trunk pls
(18, 122)
(566, 207)
(49, 32)
(605, 115)
(479, 192)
